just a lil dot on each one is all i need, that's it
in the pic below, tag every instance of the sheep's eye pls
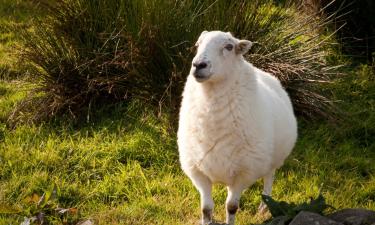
(229, 47)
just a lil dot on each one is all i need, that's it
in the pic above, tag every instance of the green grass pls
(14, 13)
(120, 166)
(123, 161)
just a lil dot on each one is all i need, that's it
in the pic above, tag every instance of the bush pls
(87, 53)
(283, 213)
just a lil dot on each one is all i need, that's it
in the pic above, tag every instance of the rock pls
(354, 216)
(280, 220)
(309, 218)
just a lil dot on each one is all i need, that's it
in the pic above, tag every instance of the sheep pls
(236, 122)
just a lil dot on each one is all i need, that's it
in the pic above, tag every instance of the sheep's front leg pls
(232, 203)
(267, 189)
(204, 186)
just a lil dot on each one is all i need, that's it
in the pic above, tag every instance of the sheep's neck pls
(212, 88)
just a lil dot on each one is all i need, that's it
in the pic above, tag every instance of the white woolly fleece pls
(236, 127)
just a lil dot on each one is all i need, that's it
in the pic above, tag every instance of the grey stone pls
(280, 220)
(309, 218)
(354, 216)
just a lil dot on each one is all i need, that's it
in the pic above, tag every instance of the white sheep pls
(236, 122)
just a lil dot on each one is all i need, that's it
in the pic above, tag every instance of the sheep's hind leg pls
(204, 186)
(267, 190)
(232, 203)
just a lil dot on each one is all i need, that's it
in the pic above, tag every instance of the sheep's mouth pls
(201, 77)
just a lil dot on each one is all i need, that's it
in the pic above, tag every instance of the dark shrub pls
(358, 34)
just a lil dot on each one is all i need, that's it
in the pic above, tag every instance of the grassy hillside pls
(123, 169)
(121, 165)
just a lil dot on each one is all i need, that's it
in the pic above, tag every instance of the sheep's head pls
(217, 53)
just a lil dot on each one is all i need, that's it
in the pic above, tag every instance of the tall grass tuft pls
(90, 52)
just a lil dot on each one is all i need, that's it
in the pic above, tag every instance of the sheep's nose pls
(200, 65)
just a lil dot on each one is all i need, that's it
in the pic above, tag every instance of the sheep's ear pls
(200, 37)
(243, 46)
(203, 32)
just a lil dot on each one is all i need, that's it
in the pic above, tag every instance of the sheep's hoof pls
(262, 209)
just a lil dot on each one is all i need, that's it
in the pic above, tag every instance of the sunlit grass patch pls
(11, 93)
(14, 15)
(124, 169)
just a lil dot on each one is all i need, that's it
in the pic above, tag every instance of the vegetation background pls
(90, 89)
